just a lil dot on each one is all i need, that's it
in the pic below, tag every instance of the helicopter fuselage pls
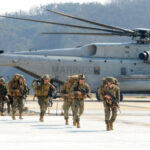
(95, 60)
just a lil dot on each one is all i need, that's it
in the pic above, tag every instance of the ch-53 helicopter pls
(128, 62)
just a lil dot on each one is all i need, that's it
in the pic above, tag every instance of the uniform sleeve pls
(73, 88)
(52, 88)
(63, 89)
(27, 90)
(5, 90)
(101, 93)
(88, 89)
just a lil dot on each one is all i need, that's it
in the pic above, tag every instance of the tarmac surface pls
(131, 129)
(129, 103)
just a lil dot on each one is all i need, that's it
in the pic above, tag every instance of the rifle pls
(84, 92)
(51, 96)
(24, 92)
(114, 100)
(50, 102)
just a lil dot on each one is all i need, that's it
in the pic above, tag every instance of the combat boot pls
(67, 122)
(62, 113)
(111, 126)
(108, 127)
(41, 119)
(20, 116)
(74, 123)
(78, 124)
(13, 117)
(2, 114)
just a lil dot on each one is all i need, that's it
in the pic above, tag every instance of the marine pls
(3, 93)
(43, 90)
(67, 97)
(80, 90)
(18, 90)
(109, 93)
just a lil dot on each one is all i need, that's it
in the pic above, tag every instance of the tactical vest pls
(13, 86)
(42, 89)
(105, 90)
(76, 87)
(3, 90)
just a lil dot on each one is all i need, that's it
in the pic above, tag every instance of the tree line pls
(22, 35)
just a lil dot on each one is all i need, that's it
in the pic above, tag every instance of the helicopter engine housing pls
(145, 56)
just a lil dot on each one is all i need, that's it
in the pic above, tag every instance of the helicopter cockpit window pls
(97, 70)
(123, 71)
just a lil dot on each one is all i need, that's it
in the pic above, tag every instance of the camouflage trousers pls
(43, 102)
(78, 109)
(2, 102)
(110, 113)
(17, 103)
(67, 104)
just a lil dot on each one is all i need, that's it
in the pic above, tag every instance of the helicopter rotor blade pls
(62, 24)
(80, 33)
(91, 22)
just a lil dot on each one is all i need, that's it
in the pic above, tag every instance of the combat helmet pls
(2, 79)
(81, 77)
(21, 76)
(46, 76)
(16, 76)
(110, 79)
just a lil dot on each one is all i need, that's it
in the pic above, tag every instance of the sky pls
(7, 6)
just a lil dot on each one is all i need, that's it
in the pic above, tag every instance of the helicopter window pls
(123, 71)
(97, 70)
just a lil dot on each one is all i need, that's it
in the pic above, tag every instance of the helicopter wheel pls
(121, 97)
(97, 96)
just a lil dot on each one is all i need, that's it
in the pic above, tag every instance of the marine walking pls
(43, 90)
(3, 93)
(18, 90)
(73, 92)
(80, 91)
(67, 96)
(109, 93)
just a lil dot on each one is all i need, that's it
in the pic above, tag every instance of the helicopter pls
(128, 62)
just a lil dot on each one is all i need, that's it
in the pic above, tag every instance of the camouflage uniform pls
(109, 106)
(65, 93)
(17, 90)
(42, 93)
(3, 93)
(78, 102)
